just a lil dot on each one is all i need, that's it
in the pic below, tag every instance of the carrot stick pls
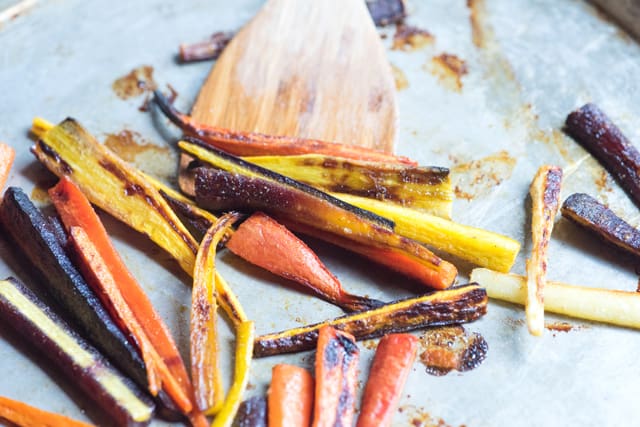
(96, 272)
(264, 242)
(205, 369)
(76, 211)
(389, 371)
(24, 415)
(336, 378)
(290, 397)
(7, 155)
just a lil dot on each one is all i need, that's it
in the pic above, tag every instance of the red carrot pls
(7, 155)
(389, 371)
(336, 378)
(24, 415)
(264, 242)
(290, 397)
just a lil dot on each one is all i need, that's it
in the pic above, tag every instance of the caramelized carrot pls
(76, 211)
(266, 243)
(336, 377)
(259, 144)
(205, 369)
(389, 371)
(98, 275)
(290, 397)
(24, 415)
(7, 154)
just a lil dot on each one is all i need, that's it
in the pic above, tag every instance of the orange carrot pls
(389, 371)
(7, 154)
(98, 275)
(76, 211)
(336, 378)
(24, 415)
(205, 369)
(259, 144)
(290, 397)
(266, 243)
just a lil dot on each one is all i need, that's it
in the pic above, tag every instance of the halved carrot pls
(24, 415)
(76, 211)
(264, 242)
(290, 397)
(7, 155)
(205, 369)
(98, 275)
(336, 378)
(389, 371)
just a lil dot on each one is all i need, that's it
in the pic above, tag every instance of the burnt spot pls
(331, 356)
(48, 151)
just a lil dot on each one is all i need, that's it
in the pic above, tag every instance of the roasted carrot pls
(290, 397)
(24, 415)
(264, 242)
(259, 144)
(336, 378)
(76, 211)
(7, 154)
(96, 272)
(389, 371)
(205, 368)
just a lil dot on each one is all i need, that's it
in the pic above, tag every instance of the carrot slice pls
(389, 371)
(7, 155)
(96, 272)
(25, 415)
(205, 369)
(264, 242)
(75, 211)
(290, 396)
(336, 378)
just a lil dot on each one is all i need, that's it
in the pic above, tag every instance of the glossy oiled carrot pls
(96, 272)
(205, 369)
(290, 399)
(389, 371)
(24, 415)
(264, 242)
(337, 358)
(7, 154)
(76, 211)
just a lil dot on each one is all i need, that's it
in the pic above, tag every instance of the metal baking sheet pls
(528, 63)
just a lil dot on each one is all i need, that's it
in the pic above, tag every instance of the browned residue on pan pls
(449, 70)
(131, 147)
(419, 417)
(559, 326)
(399, 77)
(451, 348)
(480, 33)
(137, 82)
(409, 38)
(479, 177)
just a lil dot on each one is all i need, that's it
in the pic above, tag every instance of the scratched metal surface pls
(529, 64)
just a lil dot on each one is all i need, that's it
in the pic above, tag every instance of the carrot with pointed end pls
(389, 371)
(24, 415)
(7, 154)
(290, 397)
(205, 369)
(264, 242)
(336, 378)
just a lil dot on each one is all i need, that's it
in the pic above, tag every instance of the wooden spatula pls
(308, 68)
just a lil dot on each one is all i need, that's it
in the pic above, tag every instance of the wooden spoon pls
(308, 68)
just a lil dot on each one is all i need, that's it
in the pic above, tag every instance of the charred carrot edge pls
(545, 202)
(207, 49)
(257, 144)
(263, 241)
(389, 372)
(76, 211)
(22, 414)
(7, 155)
(336, 368)
(94, 268)
(244, 350)
(452, 306)
(290, 396)
(205, 367)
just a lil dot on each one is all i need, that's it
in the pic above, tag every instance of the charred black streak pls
(48, 151)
